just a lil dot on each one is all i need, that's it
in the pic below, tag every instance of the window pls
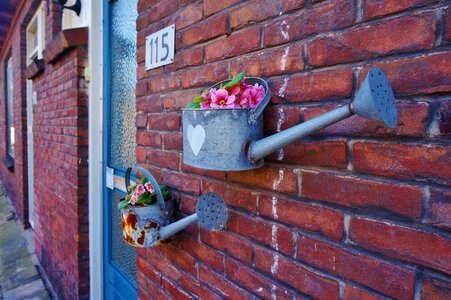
(10, 137)
(36, 35)
(70, 18)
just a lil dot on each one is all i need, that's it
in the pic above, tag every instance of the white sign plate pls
(160, 47)
(110, 178)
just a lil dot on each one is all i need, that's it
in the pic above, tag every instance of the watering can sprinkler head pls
(374, 100)
(211, 213)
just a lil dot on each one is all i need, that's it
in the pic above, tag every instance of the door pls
(30, 102)
(119, 140)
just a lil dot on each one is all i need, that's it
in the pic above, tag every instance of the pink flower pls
(207, 102)
(140, 189)
(253, 95)
(149, 187)
(221, 98)
(133, 199)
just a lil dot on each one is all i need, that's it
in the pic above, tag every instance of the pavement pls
(19, 266)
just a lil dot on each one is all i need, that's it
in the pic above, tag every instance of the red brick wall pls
(356, 211)
(61, 174)
(60, 153)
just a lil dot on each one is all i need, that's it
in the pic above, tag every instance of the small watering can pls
(232, 139)
(147, 226)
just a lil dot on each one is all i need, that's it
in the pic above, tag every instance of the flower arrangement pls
(234, 94)
(143, 194)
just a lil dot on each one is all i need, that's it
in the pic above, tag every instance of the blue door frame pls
(115, 282)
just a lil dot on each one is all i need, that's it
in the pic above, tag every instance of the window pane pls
(10, 109)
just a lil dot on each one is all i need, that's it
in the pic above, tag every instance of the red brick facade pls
(60, 135)
(357, 211)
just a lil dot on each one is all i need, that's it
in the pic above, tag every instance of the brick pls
(155, 292)
(172, 141)
(221, 285)
(435, 289)
(313, 153)
(401, 200)
(213, 6)
(400, 35)
(148, 104)
(444, 119)
(207, 74)
(403, 160)
(148, 270)
(354, 293)
(315, 86)
(377, 8)
(174, 290)
(440, 208)
(329, 16)
(141, 153)
(163, 9)
(148, 138)
(305, 216)
(196, 288)
(217, 26)
(209, 173)
(233, 196)
(288, 59)
(417, 75)
(228, 243)
(413, 120)
(295, 275)
(382, 276)
(274, 235)
(141, 120)
(261, 285)
(182, 181)
(402, 243)
(238, 43)
(270, 178)
(161, 264)
(175, 101)
(202, 252)
(164, 83)
(188, 15)
(187, 58)
(447, 26)
(175, 255)
(165, 159)
(280, 118)
(165, 121)
(260, 10)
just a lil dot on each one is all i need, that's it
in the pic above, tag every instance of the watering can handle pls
(152, 181)
(257, 111)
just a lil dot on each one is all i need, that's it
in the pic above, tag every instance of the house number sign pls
(160, 48)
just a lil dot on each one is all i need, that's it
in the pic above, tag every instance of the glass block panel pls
(123, 82)
(122, 254)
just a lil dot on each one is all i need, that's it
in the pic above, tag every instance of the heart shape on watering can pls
(196, 138)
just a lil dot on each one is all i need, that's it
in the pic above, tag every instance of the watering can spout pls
(374, 100)
(211, 213)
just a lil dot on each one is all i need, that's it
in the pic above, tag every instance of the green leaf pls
(236, 80)
(199, 99)
(123, 204)
(193, 105)
(144, 180)
(166, 195)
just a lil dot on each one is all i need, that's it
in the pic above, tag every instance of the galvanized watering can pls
(231, 139)
(147, 226)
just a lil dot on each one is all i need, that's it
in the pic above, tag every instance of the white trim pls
(36, 30)
(95, 151)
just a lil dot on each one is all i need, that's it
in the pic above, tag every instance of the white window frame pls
(70, 18)
(36, 31)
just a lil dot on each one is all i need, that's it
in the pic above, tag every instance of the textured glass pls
(123, 82)
(122, 254)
